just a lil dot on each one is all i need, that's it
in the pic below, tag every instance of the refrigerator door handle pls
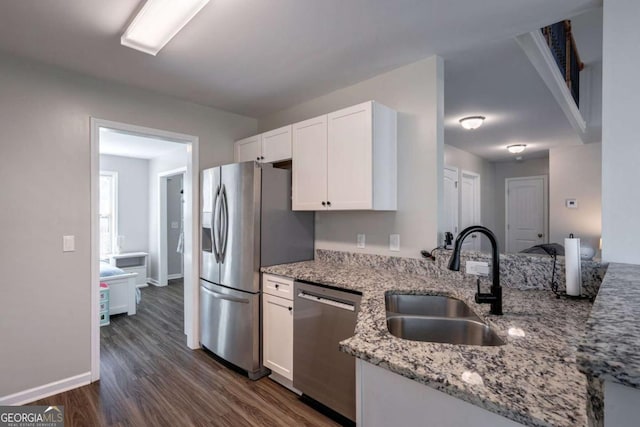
(225, 215)
(218, 295)
(215, 225)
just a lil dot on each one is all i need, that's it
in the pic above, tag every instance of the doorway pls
(450, 198)
(470, 207)
(171, 225)
(526, 212)
(190, 228)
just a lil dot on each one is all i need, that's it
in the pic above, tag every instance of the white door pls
(526, 212)
(350, 158)
(450, 220)
(277, 318)
(276, 145)
(309, 165)
(470, 208)
(248, 149)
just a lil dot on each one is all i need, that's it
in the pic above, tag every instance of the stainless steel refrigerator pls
(247, 223)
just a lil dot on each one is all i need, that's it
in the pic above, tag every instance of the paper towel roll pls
(572, 266)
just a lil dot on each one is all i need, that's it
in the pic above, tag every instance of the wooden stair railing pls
(563, 47)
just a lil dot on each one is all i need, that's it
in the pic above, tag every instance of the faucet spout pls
(495, 296)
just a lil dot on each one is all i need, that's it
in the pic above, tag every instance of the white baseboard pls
(142, 286)
(40, 392)
(154, 282)
(174, 276)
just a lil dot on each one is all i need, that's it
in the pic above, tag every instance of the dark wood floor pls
(150, 377)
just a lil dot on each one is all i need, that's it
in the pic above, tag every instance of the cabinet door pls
(350, 157)
(248, 149)
(309, 174)
(276, 145)
(277, 324)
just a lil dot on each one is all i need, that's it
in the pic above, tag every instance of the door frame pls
(163, 246)
(477, 215)
(457, 172)
(192, 241)
(545, 206)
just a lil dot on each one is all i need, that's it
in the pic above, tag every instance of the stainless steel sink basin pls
(443, 330)
(427, 305)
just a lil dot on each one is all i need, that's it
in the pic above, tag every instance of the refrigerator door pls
(240, 226)
(210, 231)
(230, 325)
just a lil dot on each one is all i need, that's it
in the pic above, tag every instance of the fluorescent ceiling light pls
(473, 122)
(158, 22)
(516, 148)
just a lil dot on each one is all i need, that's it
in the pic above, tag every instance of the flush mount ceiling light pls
(473, 122)
(516, 148)
(158, 22)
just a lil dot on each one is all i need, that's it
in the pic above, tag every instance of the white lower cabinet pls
(277, 330)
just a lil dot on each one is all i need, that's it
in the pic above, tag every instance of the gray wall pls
(575, 173)
(167, 162)
(620, 137)
(45, 156)
(174, 216)
(415, 91)
(463, 160)
(133, 199)
(512, 169)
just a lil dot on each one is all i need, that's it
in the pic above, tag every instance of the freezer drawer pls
(230, 325)
(322, 318)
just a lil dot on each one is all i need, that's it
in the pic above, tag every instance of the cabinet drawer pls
(277, 286)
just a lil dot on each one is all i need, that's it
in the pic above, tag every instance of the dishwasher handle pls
(327, 301)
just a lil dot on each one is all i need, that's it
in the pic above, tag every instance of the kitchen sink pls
(427, 305)
(443, 330)
(436, 318)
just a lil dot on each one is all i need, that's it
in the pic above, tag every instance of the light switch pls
(68, 243)
(571, 203)
(360, 241)
(394, 242)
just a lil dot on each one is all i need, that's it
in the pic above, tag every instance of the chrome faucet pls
(495, 296)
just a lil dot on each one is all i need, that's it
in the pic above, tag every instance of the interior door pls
(470, 208)
(209, 234)
(309, 171)
(526, 207)
(450, 222)
(350, 158)
(240, 226)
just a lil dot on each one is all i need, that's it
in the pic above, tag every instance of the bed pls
(122, 289)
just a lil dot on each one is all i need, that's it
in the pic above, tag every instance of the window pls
(108, 212)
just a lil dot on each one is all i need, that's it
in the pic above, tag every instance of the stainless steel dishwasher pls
(322, 317)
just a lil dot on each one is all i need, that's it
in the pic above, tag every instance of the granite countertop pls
(532, 379)
(610, 349)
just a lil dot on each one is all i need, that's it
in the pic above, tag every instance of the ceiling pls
(498, 81)
(117, 143)
(255, 57)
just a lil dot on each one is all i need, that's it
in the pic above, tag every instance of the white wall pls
(133, 199)
(512, 169)
(575, 173)
(415, 91)
(463, 160)
(620, 136)
(173, 160)
(45, 170)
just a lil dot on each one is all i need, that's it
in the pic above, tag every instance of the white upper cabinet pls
(309, 169)
(276, 145)
(269, 147)
(248, 149)
(346, 160)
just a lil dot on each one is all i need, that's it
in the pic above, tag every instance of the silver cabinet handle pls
(327, 301)
(218, 295)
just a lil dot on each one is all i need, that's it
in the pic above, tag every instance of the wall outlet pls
(571, 203)
(394, 242)
(477, 268)
(68, 243)
(360, 241)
